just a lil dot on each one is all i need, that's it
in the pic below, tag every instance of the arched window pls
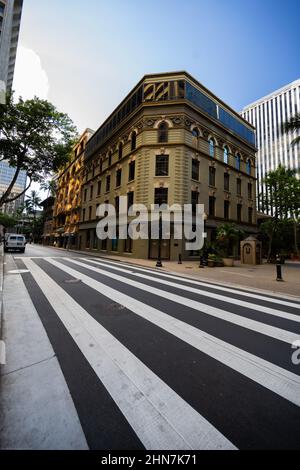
(133, 140)
(238, 161)
(120, 150)
(100, 165)
(195, 132)
(248, 167)
(225, 155)
(163, 132)
(211, 147)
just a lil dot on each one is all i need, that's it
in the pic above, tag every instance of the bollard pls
(201, 264)
(278, 270)
(179, 259)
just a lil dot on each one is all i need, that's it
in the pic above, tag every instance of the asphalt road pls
(157, 361)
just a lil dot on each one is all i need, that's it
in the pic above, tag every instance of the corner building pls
(169, 141)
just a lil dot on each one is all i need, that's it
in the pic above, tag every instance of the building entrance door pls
(165, 249)
(247, 254)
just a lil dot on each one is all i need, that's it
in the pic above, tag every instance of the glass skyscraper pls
(6, 175)
(10, 18)
(274, 147)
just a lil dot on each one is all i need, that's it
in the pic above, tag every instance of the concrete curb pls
(2, 344)
(233, 285)
(37, 409)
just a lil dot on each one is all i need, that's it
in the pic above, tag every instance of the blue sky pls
(85, 56)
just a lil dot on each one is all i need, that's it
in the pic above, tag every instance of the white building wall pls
(274, 147)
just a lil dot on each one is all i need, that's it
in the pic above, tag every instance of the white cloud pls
(30, 78)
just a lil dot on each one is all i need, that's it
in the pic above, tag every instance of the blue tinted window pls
(236, 126)
(7, 173)
(238, 162)
(209, 106)
(248, 169)
(201, 100)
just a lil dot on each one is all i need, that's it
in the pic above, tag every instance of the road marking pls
(232, 272)
(275, 378)
(202, 283)
(2, 353)
(223, 298)
(158, 415)
(18, 271)
(258, 327)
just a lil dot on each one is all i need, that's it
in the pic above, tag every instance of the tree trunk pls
(270, 248)
(4, 197)
(295, 237)
(18, 195)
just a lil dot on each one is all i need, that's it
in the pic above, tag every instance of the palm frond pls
(296, 140)
(293, 124)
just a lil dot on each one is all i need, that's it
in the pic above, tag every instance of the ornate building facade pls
(68, 197)
(169, 141)
(48, 207)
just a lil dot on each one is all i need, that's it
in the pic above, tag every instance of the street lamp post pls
(278, 269)
(201, 261)
(158, 262)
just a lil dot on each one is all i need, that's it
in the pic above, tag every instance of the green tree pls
(34, 137)
(227, 235)
(268, 228)
(32, 203)
(7, 221)
(282, 199)
(50, 186)
(293, 125)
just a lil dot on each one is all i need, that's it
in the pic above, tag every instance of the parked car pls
(14, 242)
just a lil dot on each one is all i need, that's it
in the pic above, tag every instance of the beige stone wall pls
(67, 206)
(181, 147)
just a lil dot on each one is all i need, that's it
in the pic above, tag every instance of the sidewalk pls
(260, 277)
(37, 411)
(2, 345)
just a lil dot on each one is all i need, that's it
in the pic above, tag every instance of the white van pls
(15, 242)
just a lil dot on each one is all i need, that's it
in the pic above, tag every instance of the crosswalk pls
(155, 360)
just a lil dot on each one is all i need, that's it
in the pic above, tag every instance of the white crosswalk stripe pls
(154, 405)
(268, 330)
(140, 394)
(257, 295)
(276, 379)
(223, 298)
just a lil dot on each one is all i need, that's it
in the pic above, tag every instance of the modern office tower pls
(169, 141)
(6, 175)
(10, 18)
(274, 147)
